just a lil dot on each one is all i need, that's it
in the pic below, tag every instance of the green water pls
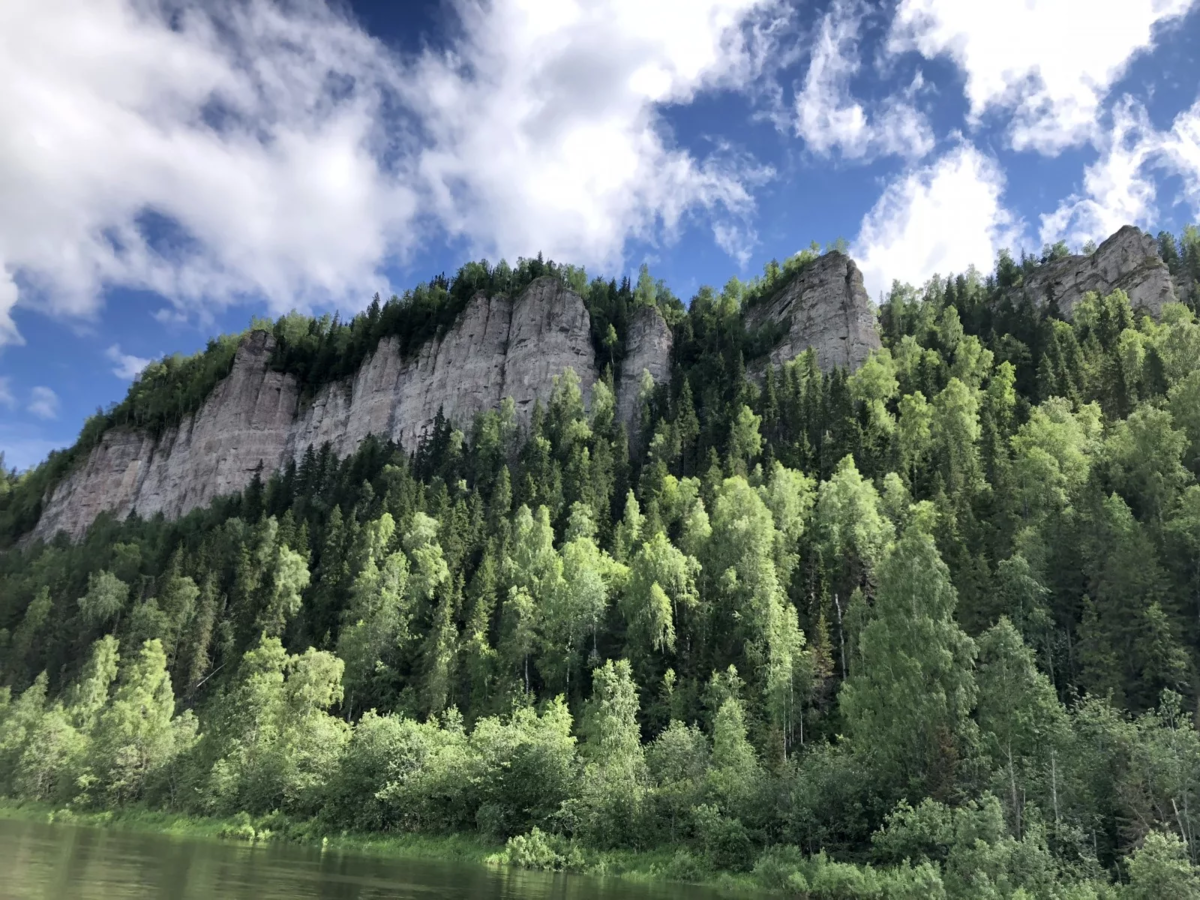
(67, 862)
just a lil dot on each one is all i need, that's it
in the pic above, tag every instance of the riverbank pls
(662, 865)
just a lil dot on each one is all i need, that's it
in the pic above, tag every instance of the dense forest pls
(927, 629)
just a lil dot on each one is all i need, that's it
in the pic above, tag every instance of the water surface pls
(70, 862)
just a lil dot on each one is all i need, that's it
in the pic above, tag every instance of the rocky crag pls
(256, 419)
(647, 349)
(825, 307)
(1127, 261)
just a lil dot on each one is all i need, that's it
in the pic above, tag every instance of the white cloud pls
(8, 300)
(1050, 63)
(214, 151)
(128, 367)
(828, 118)
(1181, 153)
(43, 403)
(1117, 189)
(939, 219)
(7, 399)
(258, 139)
(542, 125)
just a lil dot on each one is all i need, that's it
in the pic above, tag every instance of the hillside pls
(888, 602)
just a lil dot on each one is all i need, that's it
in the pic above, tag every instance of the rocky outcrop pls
(1184, 288)
(826, 308)
(255, 420)
(1127, 261)
(647, 349)
(245, 424)
(500, 347)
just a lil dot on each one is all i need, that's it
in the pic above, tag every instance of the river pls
(69, 862)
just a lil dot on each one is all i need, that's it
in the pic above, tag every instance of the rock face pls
(500, 347)
(1128, 261)
(647, 349)
(245, 423)
(825, 307)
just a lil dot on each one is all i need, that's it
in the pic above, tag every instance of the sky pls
(171, 168)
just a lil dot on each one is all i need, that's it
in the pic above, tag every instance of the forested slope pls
(940, 615)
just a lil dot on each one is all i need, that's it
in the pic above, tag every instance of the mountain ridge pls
(258, 418)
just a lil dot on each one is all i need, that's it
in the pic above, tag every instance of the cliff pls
(246, 421)
(1127, 261)
(647, 349)
(825, 307)
(498, 348)
(255, 420)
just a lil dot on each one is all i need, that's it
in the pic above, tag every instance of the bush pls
(539, 850)
(686, 866)
(1160, 868)
(239, 828)
(725, 841)
(843, 881)
(777, 865)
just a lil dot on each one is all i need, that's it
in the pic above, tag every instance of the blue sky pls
(169, 169)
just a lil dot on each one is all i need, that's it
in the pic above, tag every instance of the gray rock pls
(243, 426)
(826, 308)
(500, 347)
(1127, 261)
(647, 349)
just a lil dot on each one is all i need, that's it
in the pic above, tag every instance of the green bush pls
(1160, 868)
(539, 850)
(777, 865)
(240, 828)
(726, 843)
(686, 866)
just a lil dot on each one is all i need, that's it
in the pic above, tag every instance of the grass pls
(658, 865)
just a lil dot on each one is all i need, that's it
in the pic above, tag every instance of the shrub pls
(539, 850)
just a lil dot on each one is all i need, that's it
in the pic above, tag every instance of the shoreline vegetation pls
(928, 629)
(642, 867)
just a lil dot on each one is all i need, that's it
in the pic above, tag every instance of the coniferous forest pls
(927, 629)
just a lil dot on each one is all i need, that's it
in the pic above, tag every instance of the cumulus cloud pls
(43, 403)
(202, 155)
(1180, 153)
(1119, 188)
(1049, 63)
(542, 128)
(828, 117)
(217, 151)
(127, 366)
(939, 219)
(7, 399)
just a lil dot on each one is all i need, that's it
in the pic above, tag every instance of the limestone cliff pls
(825, 307)
(256, 419)
(245, 423)
(647, 349)
(500, 347)
(1127, 261)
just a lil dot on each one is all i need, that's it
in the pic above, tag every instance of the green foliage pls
(538, 850)
(928, 629)
(1161, 868)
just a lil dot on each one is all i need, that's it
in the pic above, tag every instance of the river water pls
(69, 862)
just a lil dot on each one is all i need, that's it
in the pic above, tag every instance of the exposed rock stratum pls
(1127, 261)
(256, 419)
(826, 308)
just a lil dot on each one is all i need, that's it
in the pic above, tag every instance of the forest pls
(926, 629)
